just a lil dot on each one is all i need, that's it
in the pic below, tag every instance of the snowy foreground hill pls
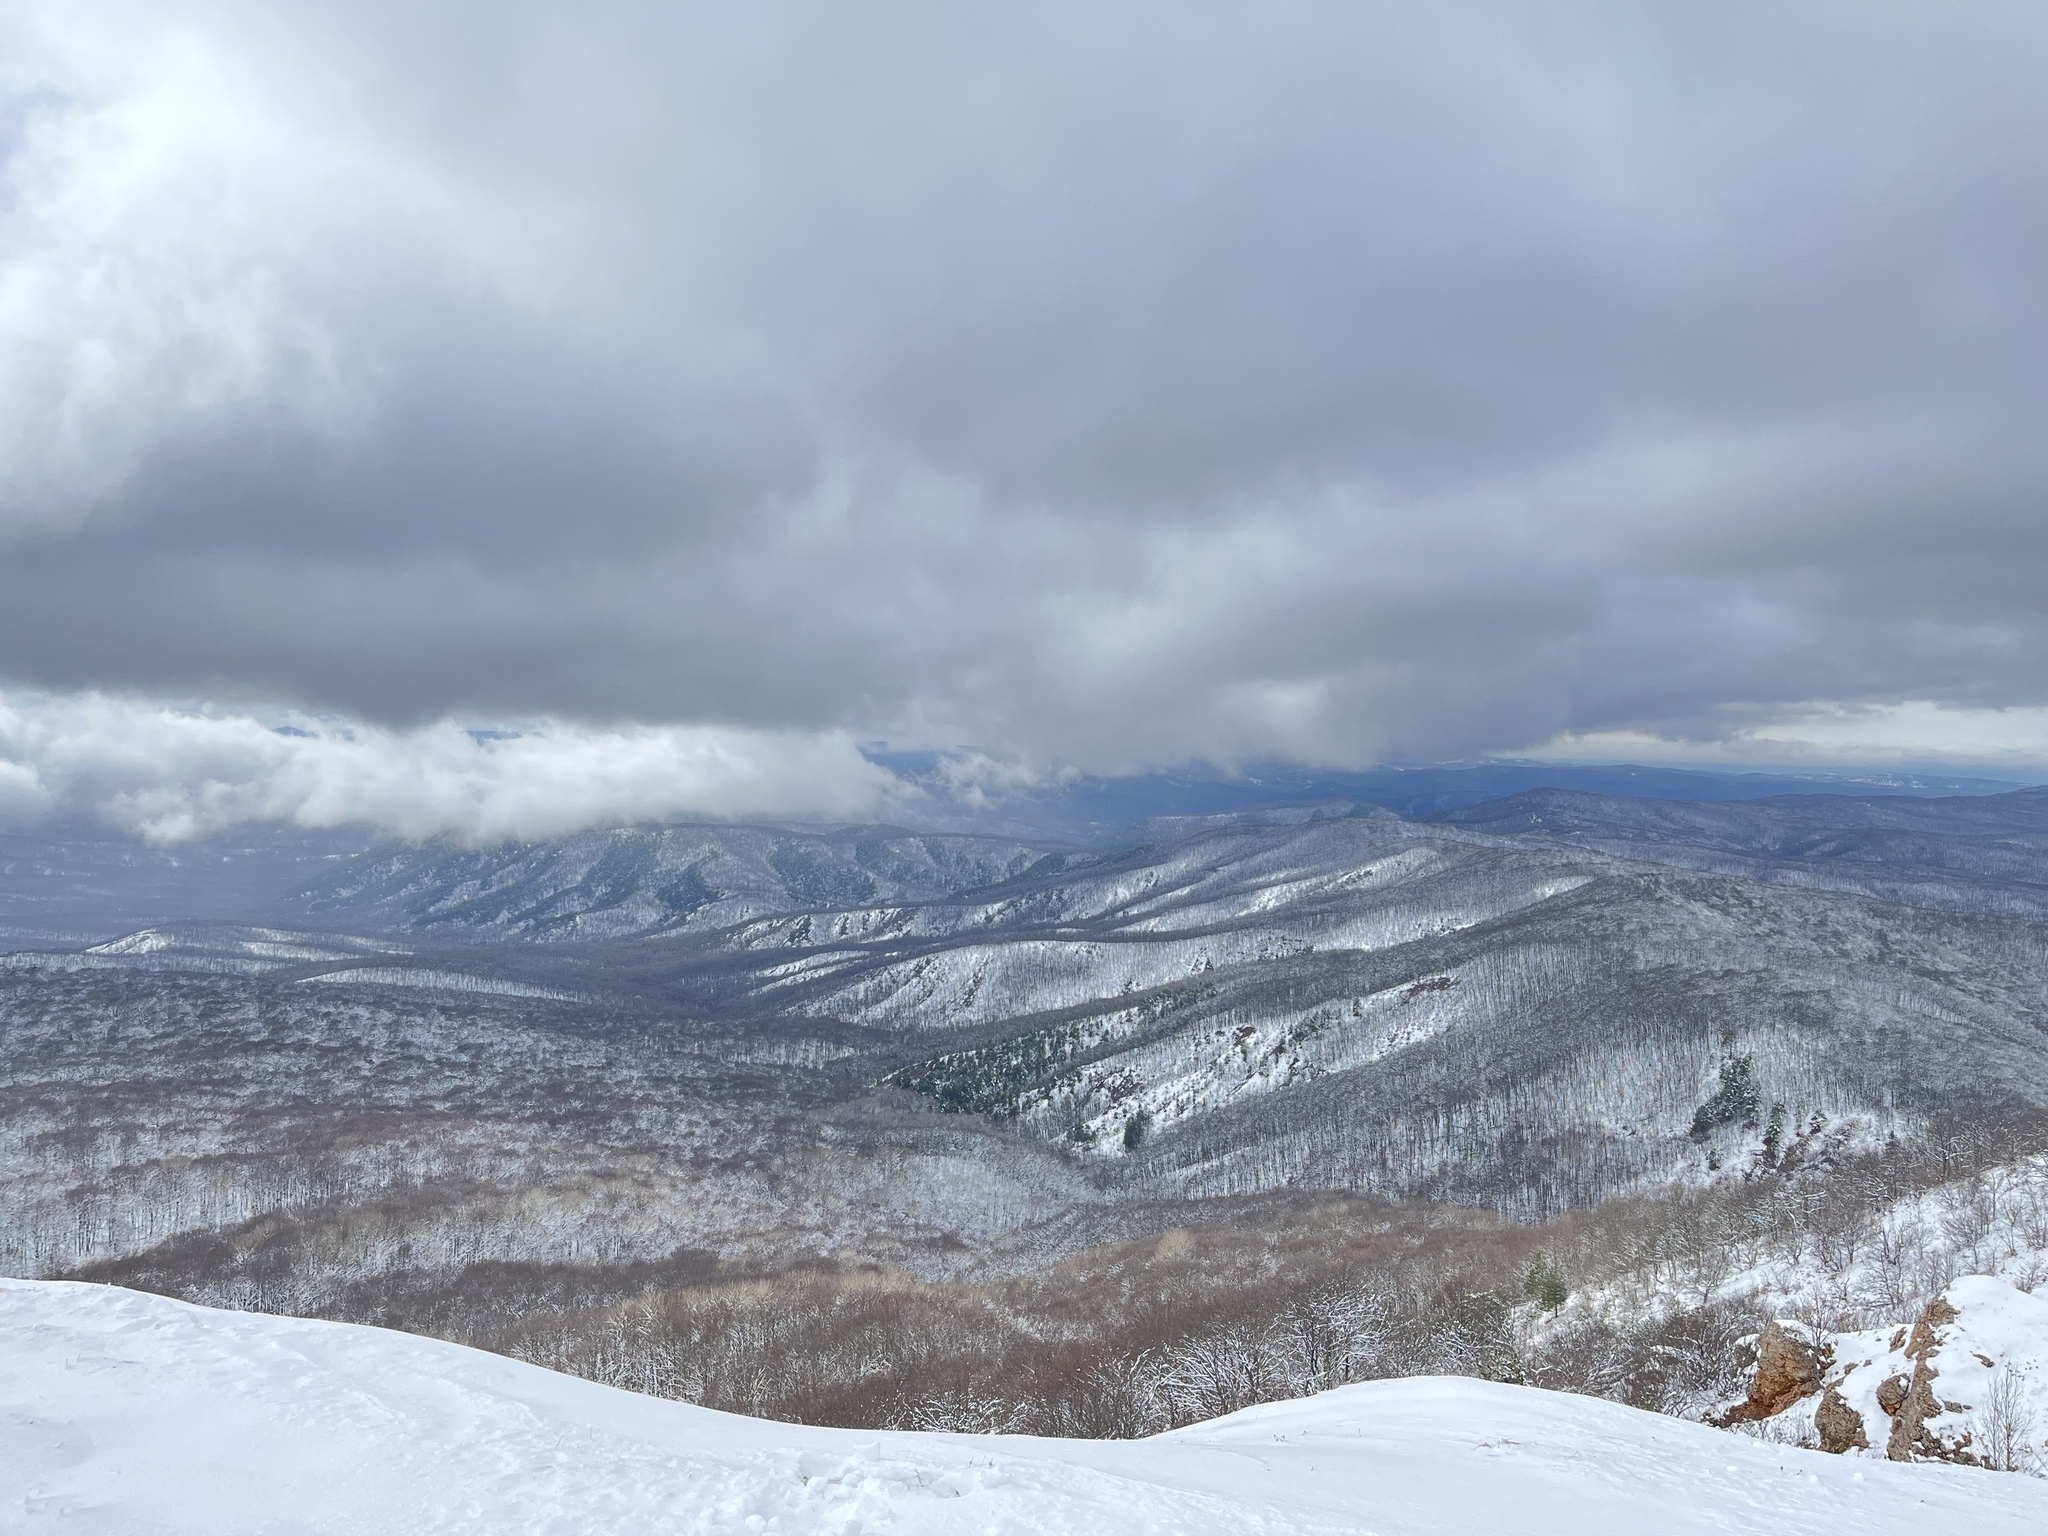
(123, 1412)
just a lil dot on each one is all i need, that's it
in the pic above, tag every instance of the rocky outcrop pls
(1790, 1367)
(1966, 1383)
(1915, 1405)
(1840, 1427)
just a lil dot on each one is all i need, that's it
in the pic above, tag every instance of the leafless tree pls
(2006, 1426)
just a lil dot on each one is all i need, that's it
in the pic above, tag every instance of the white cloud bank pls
(1913, 733)
(170, 773)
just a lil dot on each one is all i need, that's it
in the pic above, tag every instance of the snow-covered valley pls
(911, 1131)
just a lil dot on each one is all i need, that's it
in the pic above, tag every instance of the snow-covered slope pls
(639, 880)
(1965, 1383)
(129, 1413)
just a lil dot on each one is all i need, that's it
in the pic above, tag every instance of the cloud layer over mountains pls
(169, 774)
(1103, 386)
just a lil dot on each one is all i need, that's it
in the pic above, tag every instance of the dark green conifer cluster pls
(1738, 1101)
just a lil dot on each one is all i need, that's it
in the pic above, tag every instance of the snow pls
(445, 981)
(1994, 1222)
(205, 947)
(121, 1412)
(1997, 1331)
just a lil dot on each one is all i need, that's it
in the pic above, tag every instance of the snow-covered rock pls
(1967, 1382)
(126, 1412)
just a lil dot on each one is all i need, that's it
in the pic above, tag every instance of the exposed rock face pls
(1911, 1438)
(1789, 1369)
(1840, 1426)
(1923, 1393)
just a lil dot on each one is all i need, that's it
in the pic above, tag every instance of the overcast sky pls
(1100, 386)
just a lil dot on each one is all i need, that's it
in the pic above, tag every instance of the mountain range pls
(1532, 1003)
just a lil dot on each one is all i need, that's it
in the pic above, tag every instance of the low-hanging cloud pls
(1102, 386)
(170, 774)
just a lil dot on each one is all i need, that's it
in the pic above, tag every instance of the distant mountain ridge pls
(1753, 824)
(87, 880)
(636, 881)
(1962, 853)
(1092, 806)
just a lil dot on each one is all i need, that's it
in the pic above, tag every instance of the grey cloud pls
(1106, 385)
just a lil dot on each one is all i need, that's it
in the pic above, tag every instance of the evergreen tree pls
(1739, 1098)
(1774, 1135)
(1544, 1284)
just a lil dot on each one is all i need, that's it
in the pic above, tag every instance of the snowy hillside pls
(1353, 1001)
(642, 880)
(1530, 1023)
(125, 1412)
(1963, 1384)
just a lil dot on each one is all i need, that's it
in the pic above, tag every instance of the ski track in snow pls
(122, 1412)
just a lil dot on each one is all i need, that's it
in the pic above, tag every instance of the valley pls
(639, 1095)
